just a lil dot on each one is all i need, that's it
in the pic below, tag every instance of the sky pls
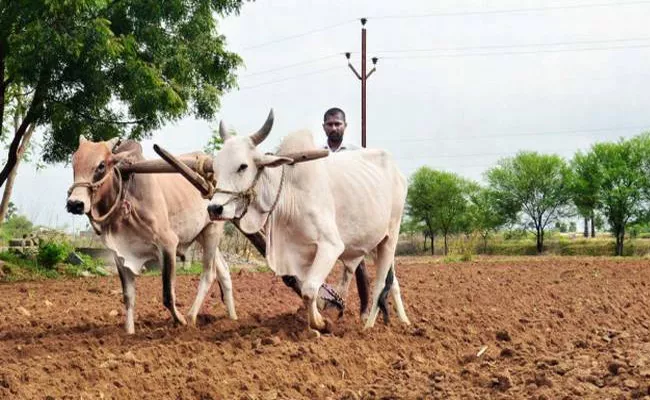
(459, 84)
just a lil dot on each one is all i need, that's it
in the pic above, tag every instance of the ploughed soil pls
(509, 328)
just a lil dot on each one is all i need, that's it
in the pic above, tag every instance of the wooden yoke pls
(198, 170)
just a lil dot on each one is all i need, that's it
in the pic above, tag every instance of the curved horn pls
(259, 136)
(223, 131)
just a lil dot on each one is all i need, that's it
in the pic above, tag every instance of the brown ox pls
(146, 217)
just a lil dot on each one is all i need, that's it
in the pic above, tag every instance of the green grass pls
(20, 267)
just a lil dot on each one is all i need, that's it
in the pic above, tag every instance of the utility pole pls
(363, 77)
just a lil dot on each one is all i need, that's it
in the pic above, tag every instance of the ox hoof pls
(180, 320)
(364, 316)
(314, 334)
(329, 325)
(326, 328)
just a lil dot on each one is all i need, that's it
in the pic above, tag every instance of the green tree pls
(584, 185)
(486, 215)
(439, 199)
(16, 227)
(11, 210)
(533, 186)
(624, 184)
(110, 68)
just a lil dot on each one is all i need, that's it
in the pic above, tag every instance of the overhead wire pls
(443, 14)
(575, 132)
(507, 11)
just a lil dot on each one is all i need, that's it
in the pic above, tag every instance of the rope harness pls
(93, 187)
(250, 195)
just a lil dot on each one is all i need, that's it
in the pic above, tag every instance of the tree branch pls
(30, 117)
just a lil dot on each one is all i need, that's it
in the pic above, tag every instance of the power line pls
(299, 35)
(507, 11)
(505, 154)
(506, 46)
(499, 46)
(577, 132)
(290, 78)
(311, 61)
(515, 52)
(444, 14)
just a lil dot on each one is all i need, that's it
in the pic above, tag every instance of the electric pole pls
(363, 77)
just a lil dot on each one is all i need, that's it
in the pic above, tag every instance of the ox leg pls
(385, 261)
(326, 257)
(214, 266)
(223, 274)
(128, 294)
(397, 299)
(168, 278)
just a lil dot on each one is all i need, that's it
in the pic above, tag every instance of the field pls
(554, 327)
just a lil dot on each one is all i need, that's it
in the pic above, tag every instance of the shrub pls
(52, 252)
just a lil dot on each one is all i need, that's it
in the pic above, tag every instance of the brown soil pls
(555, 328)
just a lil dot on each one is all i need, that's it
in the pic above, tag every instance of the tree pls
(486, 216)
(110, 68)
(624, 184)
(439, 199)
(584, 185)
(16, 109)
(534, 186)
(11, 210)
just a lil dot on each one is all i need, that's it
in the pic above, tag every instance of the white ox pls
(345, 206)
(145, 217)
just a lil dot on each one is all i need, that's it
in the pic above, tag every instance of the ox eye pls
(242, 168)
(101, 166)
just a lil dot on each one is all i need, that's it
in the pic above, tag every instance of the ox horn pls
(223, 131)
(259, 136)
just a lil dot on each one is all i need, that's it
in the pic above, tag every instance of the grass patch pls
(17, 266)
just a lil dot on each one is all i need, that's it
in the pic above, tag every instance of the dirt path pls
(555, 328)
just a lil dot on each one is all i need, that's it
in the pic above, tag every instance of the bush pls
(51, 253)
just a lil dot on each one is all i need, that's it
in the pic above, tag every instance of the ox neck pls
(268, 189)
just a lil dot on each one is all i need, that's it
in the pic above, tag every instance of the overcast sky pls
(459, 84)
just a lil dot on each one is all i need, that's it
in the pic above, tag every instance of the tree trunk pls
(586, 232)
(485, 249)
(620, 236)
(540, 241)
(593, 227)
(446, 245)
(32, 113)
(433, 248)
(3, 86)
(6, 197)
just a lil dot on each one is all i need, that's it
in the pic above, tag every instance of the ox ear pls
(271, 161)
(82, 139)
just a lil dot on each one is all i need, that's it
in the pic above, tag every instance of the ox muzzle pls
(75, 206)
(215, 211)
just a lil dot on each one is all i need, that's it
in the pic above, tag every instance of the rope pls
(98, 221)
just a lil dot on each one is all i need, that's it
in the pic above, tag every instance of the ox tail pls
(381, 302)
